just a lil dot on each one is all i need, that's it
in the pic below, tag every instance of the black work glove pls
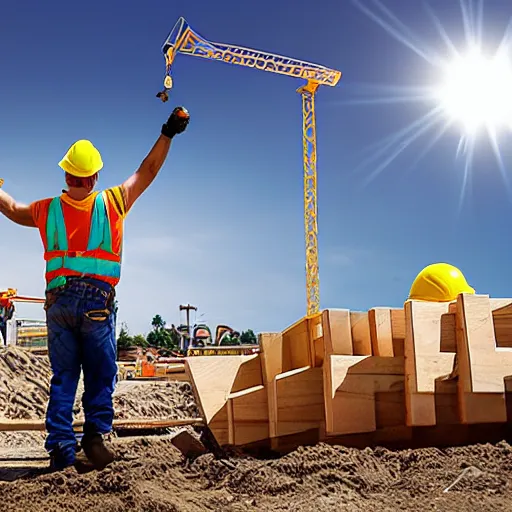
(177, 122)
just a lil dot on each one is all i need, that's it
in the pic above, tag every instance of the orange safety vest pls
(98, 261)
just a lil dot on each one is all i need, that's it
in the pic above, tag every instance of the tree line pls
(162, 337)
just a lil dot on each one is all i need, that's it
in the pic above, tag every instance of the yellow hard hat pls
(439, 282)
(82, 160)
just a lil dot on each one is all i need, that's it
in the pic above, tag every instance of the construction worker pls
(82, 233)
(6, 313)
(439, 282)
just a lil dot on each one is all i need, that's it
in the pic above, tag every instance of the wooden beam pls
(39, 425)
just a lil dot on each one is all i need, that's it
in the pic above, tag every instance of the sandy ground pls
(150, 475)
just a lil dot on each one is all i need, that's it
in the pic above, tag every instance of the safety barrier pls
(428, 374)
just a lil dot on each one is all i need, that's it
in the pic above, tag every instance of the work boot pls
(62, 456)
(96, 451)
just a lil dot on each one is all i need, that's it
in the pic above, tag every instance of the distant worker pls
(82, 234)
(439, 282)
(6, 313)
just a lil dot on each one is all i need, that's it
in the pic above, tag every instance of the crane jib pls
(182, 39)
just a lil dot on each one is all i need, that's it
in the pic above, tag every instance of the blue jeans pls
(81, 336)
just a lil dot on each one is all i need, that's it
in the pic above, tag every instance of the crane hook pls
(164, 95)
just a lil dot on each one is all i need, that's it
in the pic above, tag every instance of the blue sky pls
(222, 227)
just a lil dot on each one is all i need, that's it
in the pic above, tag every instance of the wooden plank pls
(482, 367)
(271, 355)
(501, 308)
(212, 378)
(249, 374)
(39, 425)
(354, 392)
(296, 347)
(448, 337)
(249, 413)
(361, 339)
(502, 319)
(398, 322)
(300, 401)
(337, 332)
(316, 340)
(381, 332)
(424, 361)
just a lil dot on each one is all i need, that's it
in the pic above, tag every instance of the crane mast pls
(183, 39)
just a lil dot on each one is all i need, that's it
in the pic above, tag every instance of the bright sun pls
(477, 91)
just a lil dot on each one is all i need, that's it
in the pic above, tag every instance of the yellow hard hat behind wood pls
(82, 160)
(439, 282)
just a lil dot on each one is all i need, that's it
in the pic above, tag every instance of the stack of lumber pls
(428, 374)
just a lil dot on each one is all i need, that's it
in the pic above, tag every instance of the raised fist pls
(177, 122)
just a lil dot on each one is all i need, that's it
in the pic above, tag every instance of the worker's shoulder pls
(38, 203)
(116, 197)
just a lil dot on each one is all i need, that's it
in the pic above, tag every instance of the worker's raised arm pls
(17, 212)
(136, 184)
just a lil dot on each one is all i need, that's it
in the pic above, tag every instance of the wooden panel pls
(337, 332)
(424, 361)
(355, 382)
(361, 341)
(381, 332)
(316, 338)
(398, 331)
(482, 367)
(296, 347)
(300, 401)
(271, 355)
(248, 414)
(219, 425)
(502, 318)
(448, 338)
(249, 374)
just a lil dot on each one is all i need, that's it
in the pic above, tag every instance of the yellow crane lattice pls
(183, 39)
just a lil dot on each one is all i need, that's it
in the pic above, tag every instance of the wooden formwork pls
(428, 373)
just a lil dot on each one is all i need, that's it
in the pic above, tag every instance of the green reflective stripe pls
(100, 235)
(56, 236)
(82, 265)
(56, 282)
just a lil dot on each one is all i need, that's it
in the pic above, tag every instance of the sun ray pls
(441, 30)
(493, 138)
(432, 142)
(394, 32)
(399, 142)
(466, 176)
(479, 95)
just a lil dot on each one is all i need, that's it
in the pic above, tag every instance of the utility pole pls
(188, 308)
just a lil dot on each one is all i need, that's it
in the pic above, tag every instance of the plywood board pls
(502, 318)
(248, 416)
(296, 346)
(355, 382)
(482, 366)
(212, 379)
(381, 332)
(300, 401)
(271, 355)
(361, 340)
(337, 331)
(424, 361)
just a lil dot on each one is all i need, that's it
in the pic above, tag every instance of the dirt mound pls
(151, 475)
(25, 380)
(24, 383)
(155, 400)
(24, 391)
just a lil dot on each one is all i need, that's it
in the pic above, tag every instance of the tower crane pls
(182, 39)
